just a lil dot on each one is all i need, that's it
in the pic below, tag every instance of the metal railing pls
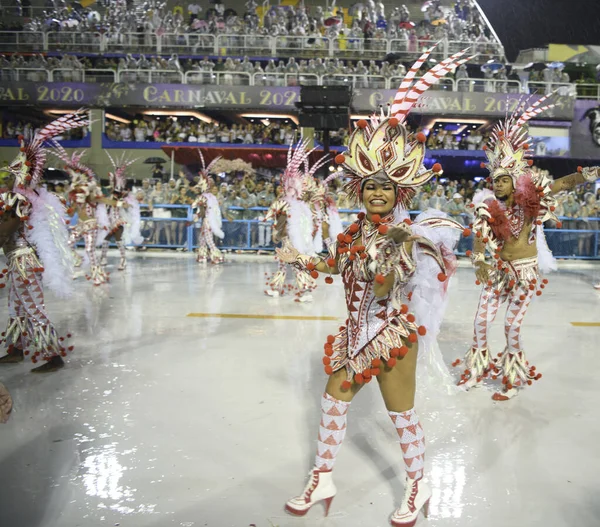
(75, 41)
(22, 41)
(588, 91)
(150, 76)
(25, 74)
(356, 81)
(489, 85)
(220, 78)
(545, 88)
(445, 83)
(253, 233)
(236, 44)
(286, 79)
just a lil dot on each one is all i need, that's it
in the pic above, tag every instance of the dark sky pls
(523, 24)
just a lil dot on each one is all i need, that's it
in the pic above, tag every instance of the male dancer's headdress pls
(204, 172)
(508, 147)
(28, 166)
(381, 147)
(117, 179)
(80, 174)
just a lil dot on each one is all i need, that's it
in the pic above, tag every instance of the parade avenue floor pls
(170, 413)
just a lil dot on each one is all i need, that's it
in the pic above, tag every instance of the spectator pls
(438, 201)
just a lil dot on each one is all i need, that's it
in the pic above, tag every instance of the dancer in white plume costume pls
(395, 275)
(86, 199)
(294, 224)
(123, 213)
(206, 208)
(508, 226)
(35, 240)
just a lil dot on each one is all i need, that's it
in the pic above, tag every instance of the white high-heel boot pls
(416, 497)
(320, 487)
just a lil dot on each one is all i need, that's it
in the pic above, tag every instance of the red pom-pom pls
(352, 257)
(442, 277)
(538, 293)
(404, 349)
(310, 266)
(330, 339)
(421, 137)
(362, 124)
(522, 298)
(340, 159)
(328, 370)
(314, 274)
(538, 376)
(412, 338)
(580, 169)
(328, 352)
(393, 122)
(330, 262)
(531, 287)
(526, 146)
(347, 238)
(477, 282)
(410, 318)
(530, 162)
(328, 280)
(376, 218)
(375, 372)
(394, 352)
(404, 309)
(559, 225)
(353, 229)
(437, 168)
(346, 385)
(545, 281)
(380, 279)
(359, 379)
(422, 331)
(383, 229)
(391, 362)
(361, 216)
(467, 233)
(326, 361)
(341, 237)
(27, 163)
(482, 165)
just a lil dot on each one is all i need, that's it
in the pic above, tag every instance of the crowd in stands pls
(241, 196)
(15, 129)
(367, 20)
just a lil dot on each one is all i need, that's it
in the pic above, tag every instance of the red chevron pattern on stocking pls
(412, 441)
(514, 318)
(332, 430)
(487, 310)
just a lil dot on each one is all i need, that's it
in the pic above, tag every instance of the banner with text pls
(183, 96)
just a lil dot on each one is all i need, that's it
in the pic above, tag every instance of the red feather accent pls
(527, 197)
(500, 226)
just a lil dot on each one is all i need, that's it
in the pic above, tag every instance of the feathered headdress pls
(116, 178)
(28, 166)
(508, 147)
(382, 145)
(313, 189)
(80, 174)
(205, 171)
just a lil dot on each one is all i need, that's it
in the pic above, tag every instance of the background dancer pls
(387, 264)
(35, 240)
(206, 208)
(294, 224)
(123, 213)
(508, 224)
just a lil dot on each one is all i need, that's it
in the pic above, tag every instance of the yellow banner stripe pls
(261, 317)
(586, 324)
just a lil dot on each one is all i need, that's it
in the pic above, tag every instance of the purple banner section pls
(585, 131)
(183, 96)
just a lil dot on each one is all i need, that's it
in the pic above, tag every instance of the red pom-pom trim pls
(391, 362)
(340, 159)
(410, 318)
(412, 338)
(310, 266)
(393, 122)
(353, 228)
(442, 277)
(340, 237)
(328, 370)
(394, 352)
(380, 279)
(328, 280)
(331, 262)
(383, 229)
(330, 339)
(376, 363)
(422, 331)
(346, 385)
(580, 169)
(362, 124)
(326, 361)
(404, 349)
(437, 168)
(530, 162)
(359, 379)
(421, 137)
(376, 218)
(314, 274)
(482, 165)
(467, 233)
